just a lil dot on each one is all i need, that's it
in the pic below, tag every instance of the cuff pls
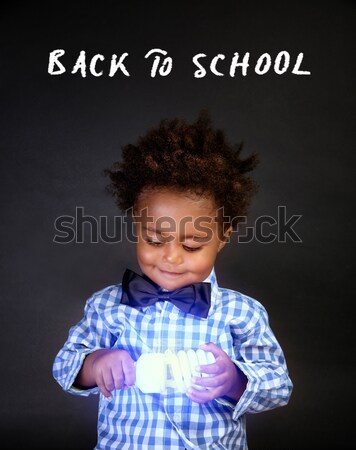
(249, 395)
(69, 364)
(226, 401)
(242, 405)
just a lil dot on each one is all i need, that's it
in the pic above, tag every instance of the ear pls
(226, 235)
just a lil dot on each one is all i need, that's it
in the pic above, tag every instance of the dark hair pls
(193, 158)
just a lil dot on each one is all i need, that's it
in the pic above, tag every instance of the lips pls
(168, 274)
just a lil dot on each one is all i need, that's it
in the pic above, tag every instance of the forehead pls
(174, 204)
(168, 213)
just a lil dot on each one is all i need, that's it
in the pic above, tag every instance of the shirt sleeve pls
(88, 335)
(259, 356)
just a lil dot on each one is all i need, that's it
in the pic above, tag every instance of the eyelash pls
(158, 244)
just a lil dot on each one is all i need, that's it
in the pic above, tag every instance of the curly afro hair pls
(192, 158)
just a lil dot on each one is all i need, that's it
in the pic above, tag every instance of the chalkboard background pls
(58, 133)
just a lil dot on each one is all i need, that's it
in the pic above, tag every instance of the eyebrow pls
(188, 236)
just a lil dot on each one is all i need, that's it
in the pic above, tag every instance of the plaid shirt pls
(136, 421)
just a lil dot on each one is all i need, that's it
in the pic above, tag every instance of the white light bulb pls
(155, 372)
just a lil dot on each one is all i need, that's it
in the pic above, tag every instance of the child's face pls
(178, 237)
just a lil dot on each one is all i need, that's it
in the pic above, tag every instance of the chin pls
(169, 280)
(170, 285)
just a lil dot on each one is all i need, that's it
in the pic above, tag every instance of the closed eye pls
(154, 243)
(158, 244)
(191, 249)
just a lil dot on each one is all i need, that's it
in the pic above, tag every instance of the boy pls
(188, 188)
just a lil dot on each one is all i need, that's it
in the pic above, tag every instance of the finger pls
(211, 369)
(213, 348)
(108, 379)
(103, 389)
(202, 396)
(209, 382)
(128, 368)
(118, 376)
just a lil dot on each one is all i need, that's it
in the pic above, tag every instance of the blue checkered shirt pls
(133, 420)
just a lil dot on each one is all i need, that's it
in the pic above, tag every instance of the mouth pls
(169, 274)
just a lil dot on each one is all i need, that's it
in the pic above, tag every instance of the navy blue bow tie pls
(141, 291)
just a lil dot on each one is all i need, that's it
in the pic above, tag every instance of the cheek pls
(145, 255)
(203, 261)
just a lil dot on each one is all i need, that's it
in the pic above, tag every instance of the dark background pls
(57, 133)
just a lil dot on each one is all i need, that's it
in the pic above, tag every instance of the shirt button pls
(173, 316)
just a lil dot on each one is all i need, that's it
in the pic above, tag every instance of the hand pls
(107, 369)
(226, 378)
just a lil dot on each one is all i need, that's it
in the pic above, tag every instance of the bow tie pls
(141, 291)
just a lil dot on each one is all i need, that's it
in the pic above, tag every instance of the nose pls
(172, 254)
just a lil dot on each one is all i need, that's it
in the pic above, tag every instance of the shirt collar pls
(211, 278)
